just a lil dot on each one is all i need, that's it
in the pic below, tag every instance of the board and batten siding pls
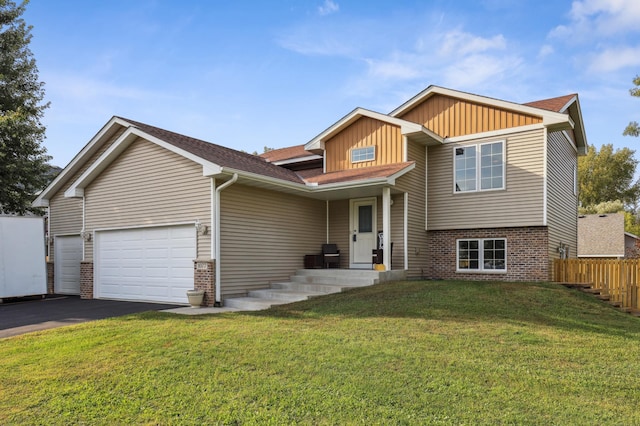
(264, 236)
(414, 184)
(366, 131)
(520, 204)
(451, 117)
(149, 185)
(562, 216)
(65, 214)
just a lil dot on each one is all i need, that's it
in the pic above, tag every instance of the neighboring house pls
(603, 235)
(458, 185)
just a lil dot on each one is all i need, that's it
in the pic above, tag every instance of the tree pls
(608, 175)
(23, 159)
(633, 129)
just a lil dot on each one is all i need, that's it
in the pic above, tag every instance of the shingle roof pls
(363, 173)
(601, 235)
(225, 157)
(287, 153)
(552, 104)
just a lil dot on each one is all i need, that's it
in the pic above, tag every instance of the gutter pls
(234, 178)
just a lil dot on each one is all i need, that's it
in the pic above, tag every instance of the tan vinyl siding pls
(65, 214)
(339, 232)
(366, 131)
(414, 184)
(562, 205)
(149, 185)
(265, 235)
(451, 117)
(520, 204)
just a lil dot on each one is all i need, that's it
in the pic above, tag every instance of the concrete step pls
(314, 288)
(284, 295)
(351, 273)
(250, 303)
(350, 281)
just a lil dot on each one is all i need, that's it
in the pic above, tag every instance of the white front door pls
(363, 232)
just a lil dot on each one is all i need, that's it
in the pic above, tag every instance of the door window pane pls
(365, 218)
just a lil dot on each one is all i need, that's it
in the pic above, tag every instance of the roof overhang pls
(294, 160)
(108, 130)
(407, 128)
(329, 191)
(127, 138)
(552, 120)
(573, 110)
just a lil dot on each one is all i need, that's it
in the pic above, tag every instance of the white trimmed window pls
(482, 255)
(368, 153)
(479, 167)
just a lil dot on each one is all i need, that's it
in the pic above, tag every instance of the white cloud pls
(545, 51)
(328, 7)
(81, 88)
(479, 70)
(462, 43)
(600, 18)
(397, 68)
(614, 59)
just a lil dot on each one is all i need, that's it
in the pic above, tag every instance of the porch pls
(306, 283)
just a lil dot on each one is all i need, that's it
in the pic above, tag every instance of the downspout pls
(217, 224)
(84, 242)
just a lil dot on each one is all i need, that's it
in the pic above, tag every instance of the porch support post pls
(386, 227)
(405, 236)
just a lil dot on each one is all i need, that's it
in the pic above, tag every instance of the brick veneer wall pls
(50, 277)
(527, 254)
(86, 280)
(204, 279)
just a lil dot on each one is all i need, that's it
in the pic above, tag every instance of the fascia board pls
(266, 179)
(390, 180)
(549, 118)
(406, 127)
(568, 104)
(311, 188)
(208, 168)
(131, 134)
(297, 160)
(77, 188)
(43, 198)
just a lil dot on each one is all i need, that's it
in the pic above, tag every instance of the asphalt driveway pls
(27, 315)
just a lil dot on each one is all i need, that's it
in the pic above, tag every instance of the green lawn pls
(423, 352)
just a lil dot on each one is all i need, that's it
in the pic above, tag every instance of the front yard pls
(397, 353)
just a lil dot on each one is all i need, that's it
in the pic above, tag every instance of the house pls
(457, 185)
(603, 235)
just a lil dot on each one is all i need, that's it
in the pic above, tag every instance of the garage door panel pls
(150, 264)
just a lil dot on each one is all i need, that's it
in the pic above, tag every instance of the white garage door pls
(67, 258)
(147, 264)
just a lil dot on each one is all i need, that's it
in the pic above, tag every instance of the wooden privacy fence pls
(616, 278)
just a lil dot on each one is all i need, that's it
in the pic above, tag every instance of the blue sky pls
(251, 74)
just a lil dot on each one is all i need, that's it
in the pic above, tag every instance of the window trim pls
(481, 269)
(478, 147)
(364, 148)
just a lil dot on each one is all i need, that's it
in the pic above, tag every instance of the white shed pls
(23, 270)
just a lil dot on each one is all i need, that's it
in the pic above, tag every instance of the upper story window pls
(479, 167)
(368, 153)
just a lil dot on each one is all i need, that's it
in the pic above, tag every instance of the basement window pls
(482, 255)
